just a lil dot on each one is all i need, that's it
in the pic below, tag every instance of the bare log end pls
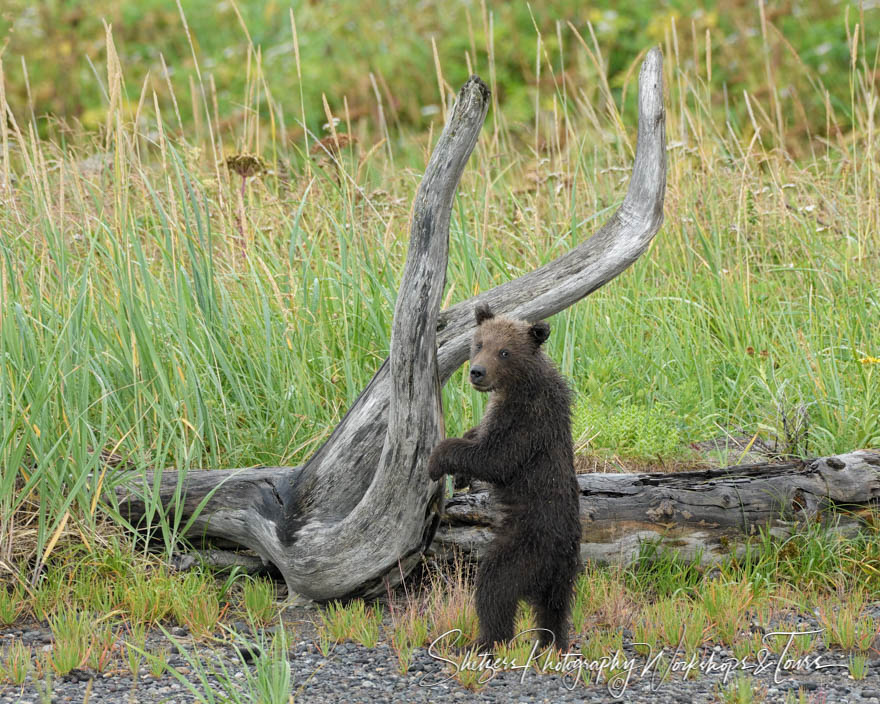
(477, 87)
(469, 110)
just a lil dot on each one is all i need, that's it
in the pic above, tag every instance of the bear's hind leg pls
(497, 598)
(552, 612)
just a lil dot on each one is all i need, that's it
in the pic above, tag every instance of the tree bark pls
(360, 512)
(703, 515)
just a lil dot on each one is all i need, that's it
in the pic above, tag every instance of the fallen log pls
(701, 514)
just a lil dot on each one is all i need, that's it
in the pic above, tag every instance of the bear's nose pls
(478, 373)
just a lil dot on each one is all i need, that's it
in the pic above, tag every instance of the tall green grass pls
(154, 307)
(358, 52)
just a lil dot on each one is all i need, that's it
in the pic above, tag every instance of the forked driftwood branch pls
(361, 510)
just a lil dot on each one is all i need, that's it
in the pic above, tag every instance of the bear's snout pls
(478, 374)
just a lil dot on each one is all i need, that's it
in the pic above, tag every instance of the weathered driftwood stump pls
(361, 511)
(705, 514)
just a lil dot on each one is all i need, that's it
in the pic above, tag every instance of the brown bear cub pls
(523, 448)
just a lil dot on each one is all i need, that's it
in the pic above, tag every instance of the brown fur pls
(523, 447)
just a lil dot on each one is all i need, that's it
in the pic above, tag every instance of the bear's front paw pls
(435, 468)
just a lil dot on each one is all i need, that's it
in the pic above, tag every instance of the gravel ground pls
(353, 673)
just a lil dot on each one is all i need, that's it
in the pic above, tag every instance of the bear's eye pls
(504, 354)
(479, 346)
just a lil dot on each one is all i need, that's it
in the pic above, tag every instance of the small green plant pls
(203, 614)
(667, 615)
(695, 626)
(264, 676)
(135, 647)
(525, 622)
(747, 647)
(409, 629)
(365, 623)
(469, 678)
(799, 697)
(11, 603)
(670, 622)
(45, 687)
(96, 578)
(196, 603)
(585, 602)
(93, 593)
(810, 558)
(518, 650)
(646, 635)
(336, 620)
(324, 642)
(726, 605)
(52, 594)
(354, 621)
(270, 680)
(601, 597)
(741, 690)
(600, 643)
(858, 666)
(844, 624)
(103, 638)
(402, 645)
(157, 661)
(133, 659)
(150, 596)
(15, 663)
(451, 604)
(258, 597)
(205, 689)
(779, 639)
(525, 643)
(418, 629)
(72, 636)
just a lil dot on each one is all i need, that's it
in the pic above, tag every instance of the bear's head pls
(505, 352)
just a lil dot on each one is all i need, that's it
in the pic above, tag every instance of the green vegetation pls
(858, 666)
(353, 51)
(629, 429)
(669, 605)
(663, 605)
(72, 635)
(741, 690)
(354, 621)
(157, 662)
(15, 663)
(264, 678)
(258, 597)
(11, 599)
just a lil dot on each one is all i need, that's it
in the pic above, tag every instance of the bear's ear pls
(540, 331)
(483, 312)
